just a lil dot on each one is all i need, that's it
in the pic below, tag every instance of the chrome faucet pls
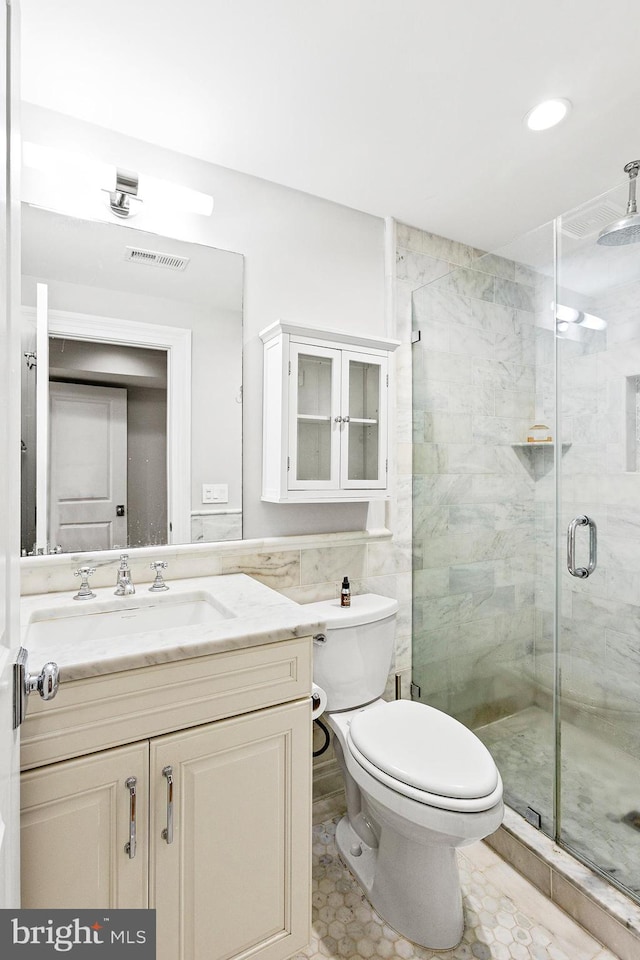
(124, 583)
(85, 592)
(158, 584)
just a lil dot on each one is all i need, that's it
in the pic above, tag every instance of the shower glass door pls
(598, 380)
(526, 419)
(484, 503)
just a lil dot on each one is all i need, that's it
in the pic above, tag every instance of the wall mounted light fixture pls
(125, 189)
(569, 315)
(124, 199)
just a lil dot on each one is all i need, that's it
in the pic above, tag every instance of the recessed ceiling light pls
(547, 114)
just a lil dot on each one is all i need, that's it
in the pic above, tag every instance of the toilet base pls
(414, 887)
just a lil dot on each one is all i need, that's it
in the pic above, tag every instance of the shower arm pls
(632, 169)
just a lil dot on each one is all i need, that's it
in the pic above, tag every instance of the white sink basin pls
(122, 617)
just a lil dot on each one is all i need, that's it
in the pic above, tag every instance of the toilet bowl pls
(418, 783)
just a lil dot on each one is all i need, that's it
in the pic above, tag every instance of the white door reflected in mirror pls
(88, 479)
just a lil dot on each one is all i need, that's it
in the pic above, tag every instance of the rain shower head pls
(627, 229)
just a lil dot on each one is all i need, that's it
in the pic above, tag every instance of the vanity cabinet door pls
(76, 819)
(230, 837)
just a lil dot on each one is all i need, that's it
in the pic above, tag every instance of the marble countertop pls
(255, 614)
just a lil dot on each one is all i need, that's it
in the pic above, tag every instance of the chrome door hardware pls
(130, 846)
(85, 592)
(45, 683)
(582, 572)
(534, 818)
(319, 638)
(167, 833)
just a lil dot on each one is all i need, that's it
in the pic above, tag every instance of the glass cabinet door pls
(314, 430)
(363, 460)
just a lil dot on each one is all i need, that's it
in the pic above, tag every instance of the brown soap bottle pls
(345, 593)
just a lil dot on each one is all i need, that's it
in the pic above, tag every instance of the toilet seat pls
(424, 754)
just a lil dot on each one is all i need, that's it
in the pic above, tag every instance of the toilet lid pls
(425, 748)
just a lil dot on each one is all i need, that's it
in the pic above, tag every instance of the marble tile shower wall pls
(475, 395)
(601, 477)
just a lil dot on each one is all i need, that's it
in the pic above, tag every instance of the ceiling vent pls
(589, 220)
(168, 260)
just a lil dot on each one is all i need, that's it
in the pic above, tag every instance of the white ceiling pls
(404, 108)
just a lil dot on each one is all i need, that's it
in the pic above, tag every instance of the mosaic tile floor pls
(600, 788)
(505, 917)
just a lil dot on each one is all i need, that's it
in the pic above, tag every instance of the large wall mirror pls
(131, 387)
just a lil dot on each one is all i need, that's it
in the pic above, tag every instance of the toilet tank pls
(353, 664)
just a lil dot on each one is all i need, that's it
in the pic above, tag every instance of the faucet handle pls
(124, 561)
(158, 584)
(85, 592)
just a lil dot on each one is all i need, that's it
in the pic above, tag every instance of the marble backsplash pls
(303, 568)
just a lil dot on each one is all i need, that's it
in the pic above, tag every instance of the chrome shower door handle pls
(582, 572)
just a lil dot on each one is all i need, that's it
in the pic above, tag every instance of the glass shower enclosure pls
(526, 412)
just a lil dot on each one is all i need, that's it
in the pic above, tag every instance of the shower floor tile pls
(505, 917)
(600, 788)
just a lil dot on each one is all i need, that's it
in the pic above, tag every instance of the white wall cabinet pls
(221, 810)
(325, 415)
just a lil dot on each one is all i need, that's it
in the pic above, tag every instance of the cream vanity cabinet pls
(204, 814)
(325, 415)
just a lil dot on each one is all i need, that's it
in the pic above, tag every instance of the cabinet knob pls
(338, 419)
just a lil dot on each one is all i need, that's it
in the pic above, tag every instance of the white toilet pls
(418, 783)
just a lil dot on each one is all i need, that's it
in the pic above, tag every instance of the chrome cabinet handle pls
(167, 833)
(582, 572)
(130, 846)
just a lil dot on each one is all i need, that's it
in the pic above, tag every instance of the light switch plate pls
(215, 492)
